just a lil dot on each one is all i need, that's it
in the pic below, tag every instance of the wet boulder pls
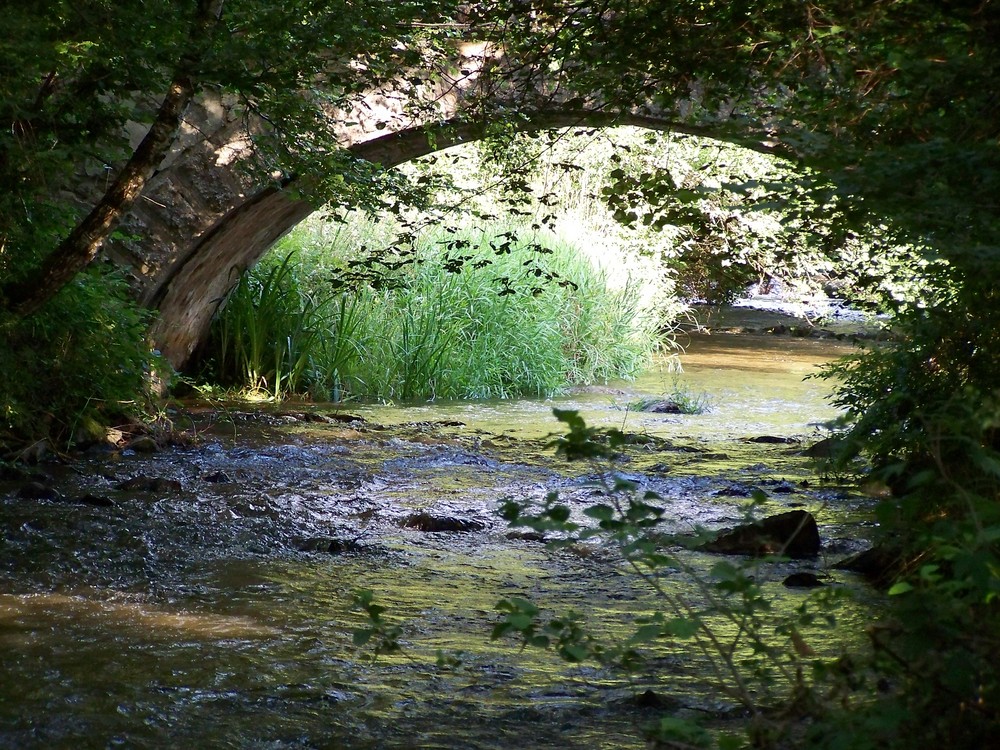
(879, 565)
(36, 452)
(792, 534)
(435, 524)
(142, 444)
(825, 448)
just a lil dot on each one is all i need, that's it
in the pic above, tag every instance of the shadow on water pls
(214, 609)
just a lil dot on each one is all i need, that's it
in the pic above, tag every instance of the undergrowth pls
(82, 361)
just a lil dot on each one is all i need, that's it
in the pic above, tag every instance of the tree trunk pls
(80, 247)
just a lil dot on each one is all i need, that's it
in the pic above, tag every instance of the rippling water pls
(210, 616)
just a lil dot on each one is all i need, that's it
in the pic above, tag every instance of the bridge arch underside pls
(202, 274)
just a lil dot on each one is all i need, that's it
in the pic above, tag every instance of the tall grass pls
(427, 332)
(278, 336)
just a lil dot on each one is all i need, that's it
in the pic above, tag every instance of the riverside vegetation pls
(429, 330)
(889, 117)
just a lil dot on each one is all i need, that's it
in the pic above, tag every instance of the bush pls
(84, 356)
(925, 412)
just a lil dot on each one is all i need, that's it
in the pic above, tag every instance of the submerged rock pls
(655, 700)
(331, 545)
(143, 483)
(432, 524)
(337, 416)
(38, 491)
(803, 581)
(665, 406)
(98, 501)
(793, 534)
(18, 473)
(525, 536)
(783, 488)
(735, 489)
(322, 417)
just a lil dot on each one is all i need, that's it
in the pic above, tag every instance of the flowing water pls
(213, 608)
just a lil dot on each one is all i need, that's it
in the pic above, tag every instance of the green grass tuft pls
(424, 331)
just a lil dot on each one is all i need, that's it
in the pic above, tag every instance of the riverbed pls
(211, 606)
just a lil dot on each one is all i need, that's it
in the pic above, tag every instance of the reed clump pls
(531, 320)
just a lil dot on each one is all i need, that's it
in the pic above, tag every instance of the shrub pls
(83, 356)
(925, 412)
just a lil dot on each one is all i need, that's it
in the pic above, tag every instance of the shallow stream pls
(213, 607)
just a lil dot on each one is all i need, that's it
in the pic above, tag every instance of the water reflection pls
(210, 614)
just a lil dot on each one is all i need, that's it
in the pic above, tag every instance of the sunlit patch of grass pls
(679, 399)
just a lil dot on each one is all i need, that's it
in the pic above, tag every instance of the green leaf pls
(559, 513)
(901, 587)
(600, 512)
(647, 633)
(520, 621)
(574, 652)
(682, 627)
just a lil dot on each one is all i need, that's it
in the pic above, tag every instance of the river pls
(214, 609)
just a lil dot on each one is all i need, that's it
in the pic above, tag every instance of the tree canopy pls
(891, 101)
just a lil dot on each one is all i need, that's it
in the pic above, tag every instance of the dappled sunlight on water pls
(37, 611)
(217, 610)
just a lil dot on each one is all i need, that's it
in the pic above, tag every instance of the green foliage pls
(78, 80)
(82, 357)
(925, 413)
(277, 337)
(421, 329)
(904, 401)
(380, 636)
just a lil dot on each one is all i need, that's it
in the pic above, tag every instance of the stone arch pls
(187, 287)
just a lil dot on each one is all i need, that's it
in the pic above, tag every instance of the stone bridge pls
(203, 219)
